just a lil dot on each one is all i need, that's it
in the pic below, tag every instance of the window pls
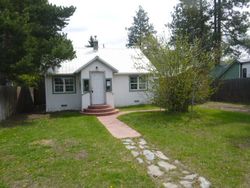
(137, 83)
(64, 85)
(85, 85)
(244, 72)
(108, 84)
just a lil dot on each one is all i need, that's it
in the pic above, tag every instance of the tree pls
(191, 19)
(91, 42)
(231, 23)
(181, 75)
(225, 33)
(140, 29)
(31, 38)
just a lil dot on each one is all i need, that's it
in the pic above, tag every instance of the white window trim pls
(138, 83)
(64, 85)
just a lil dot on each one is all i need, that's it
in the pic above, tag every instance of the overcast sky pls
(108, 19)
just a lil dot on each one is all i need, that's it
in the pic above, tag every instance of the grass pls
(214, 143)
(65, 150)
(139, 107)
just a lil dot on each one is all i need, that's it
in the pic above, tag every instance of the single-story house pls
(97, 77)
(237, 69)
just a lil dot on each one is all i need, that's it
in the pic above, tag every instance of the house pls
(237, 69)
(97, 77)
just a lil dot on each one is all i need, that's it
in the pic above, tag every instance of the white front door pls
(97, 88)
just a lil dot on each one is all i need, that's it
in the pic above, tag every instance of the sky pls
(108, 19)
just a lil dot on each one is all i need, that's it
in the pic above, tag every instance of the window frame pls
(64, 85)
(111, 87)
(244, 76)
(85, 91)
(138, 83)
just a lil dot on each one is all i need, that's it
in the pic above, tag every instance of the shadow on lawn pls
(28, 119)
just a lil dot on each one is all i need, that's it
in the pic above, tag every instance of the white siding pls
(124, 97)
(58, 102)
(247, 66)
(85, 74)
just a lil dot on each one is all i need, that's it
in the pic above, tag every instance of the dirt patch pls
(81, 155)
(45, 142)
(227, 107)
(63, 149)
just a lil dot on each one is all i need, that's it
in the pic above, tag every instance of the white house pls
(97, 77)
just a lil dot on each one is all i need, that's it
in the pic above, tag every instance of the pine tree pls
(221, 25)
(191, 20)
(140, 29)
(31, 38)
(231, 23)
(91, 42)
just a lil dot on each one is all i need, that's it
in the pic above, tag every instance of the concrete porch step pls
(99, 110)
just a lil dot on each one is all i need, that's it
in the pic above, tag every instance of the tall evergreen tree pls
(31, 38)
(140, 29)
(231, 23)
(91, 42)
(222, 25)
(191, 20)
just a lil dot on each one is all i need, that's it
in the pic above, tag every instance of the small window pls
(63, 85)
(108, 85)
(86, 85)
(137, 83)
(244, 72)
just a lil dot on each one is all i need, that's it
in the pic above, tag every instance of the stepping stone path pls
(167, 172)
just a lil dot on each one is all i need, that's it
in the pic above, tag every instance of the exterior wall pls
(247, 66)
(85, 74)
(125, 97)
(233, 72)
(59, 102)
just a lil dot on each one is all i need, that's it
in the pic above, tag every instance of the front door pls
(97, 87)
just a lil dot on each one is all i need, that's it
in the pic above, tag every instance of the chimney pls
(95, 44)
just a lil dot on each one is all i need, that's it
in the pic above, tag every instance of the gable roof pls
(121, 61)
(97, 58)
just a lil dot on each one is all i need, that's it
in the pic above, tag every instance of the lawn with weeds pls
(65, 150)
(213, 143)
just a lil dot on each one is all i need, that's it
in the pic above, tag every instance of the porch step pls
(99, 110)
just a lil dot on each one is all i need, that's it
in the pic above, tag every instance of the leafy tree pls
(191, 19)
(31, 38)
(181, 75)
(140, 29)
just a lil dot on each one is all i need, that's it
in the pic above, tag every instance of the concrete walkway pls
(117, 128)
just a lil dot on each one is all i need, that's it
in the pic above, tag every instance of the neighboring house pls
(100, 76)
(237, 69)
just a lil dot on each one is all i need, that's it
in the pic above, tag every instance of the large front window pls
(137, 83)
(64, 85)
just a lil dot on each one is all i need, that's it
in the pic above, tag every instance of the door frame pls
(104, 88)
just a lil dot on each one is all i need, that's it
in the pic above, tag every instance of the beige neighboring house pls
(97, 77)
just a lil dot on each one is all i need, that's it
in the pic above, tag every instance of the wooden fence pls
(8, 101)
(235, 90)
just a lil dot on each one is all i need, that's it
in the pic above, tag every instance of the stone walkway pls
(167, 172)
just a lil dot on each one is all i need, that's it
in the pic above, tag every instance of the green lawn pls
(214, 143)
(139, 107)
(65, 150)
